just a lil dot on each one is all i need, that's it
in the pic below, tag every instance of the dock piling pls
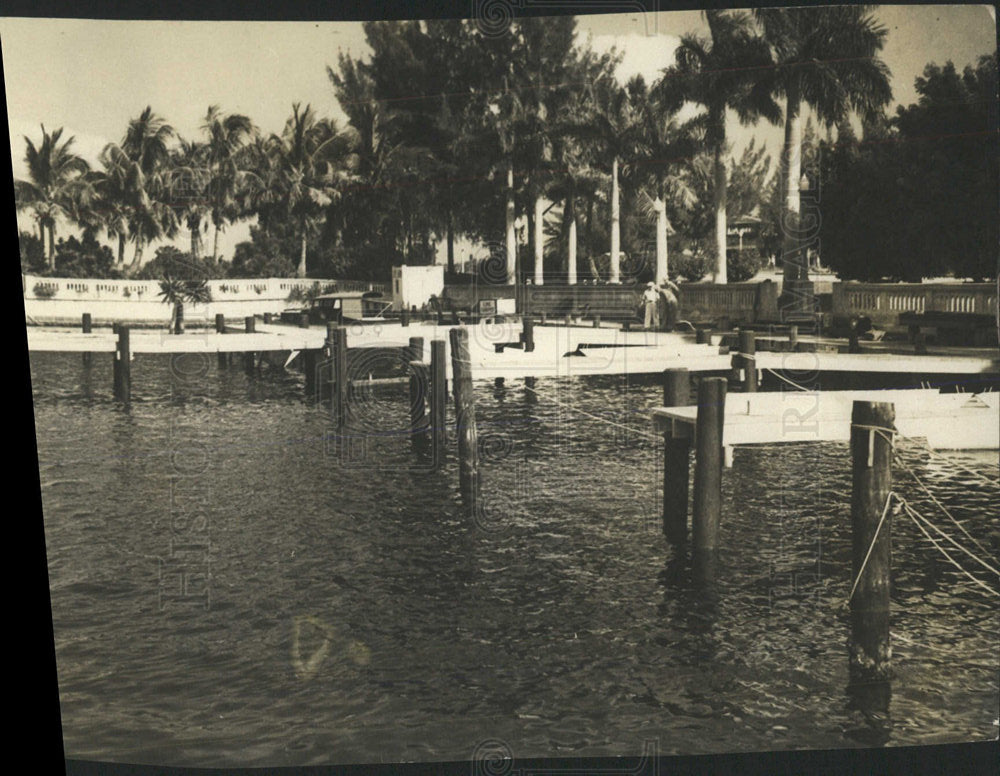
(708, 462)
(676, 393)
(341, 396)
(528, 333)
(438, 399)
(122, 372)
(793, 336)
(220, 328)
(87, 327)
(703, 336)
(872, 427)
(249, 357)
(465, 416)
(746, 360)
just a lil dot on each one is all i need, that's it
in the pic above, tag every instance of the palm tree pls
(663, 146)
(176, 292)
(226, 166)
(188, 190)
(55, 178)
(140, 167)
(313, 158)
(727, 70)
(827, 58)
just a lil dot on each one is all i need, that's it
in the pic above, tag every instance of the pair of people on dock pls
(660, 306)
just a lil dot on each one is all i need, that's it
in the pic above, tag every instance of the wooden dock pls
(496, 349)
(951, 421)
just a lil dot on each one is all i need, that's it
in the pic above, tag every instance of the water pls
(355, 613)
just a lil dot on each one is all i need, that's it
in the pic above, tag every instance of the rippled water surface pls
(353, 612)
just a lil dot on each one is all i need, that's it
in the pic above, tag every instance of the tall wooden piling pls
(419, 379)
(404, 317)
(703, 336)
(528, 333)
(676, 393)
(465, 415)
(122, 371)
(708, 462)
(439, 434)
(746, 360)
(872, 428)
(220, 328)
(267, 317)
(87, 325)
(341, 387)
(793, 336)
(249, 357)
(309, 363)
(303, 320)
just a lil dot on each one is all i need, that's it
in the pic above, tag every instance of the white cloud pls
(645, 55)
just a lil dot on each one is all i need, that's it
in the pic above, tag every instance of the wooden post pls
(597, 321)
(249, 361)
(419, 381)
(568, 319)
(309, 370)
(416, 350)
(438, 399)
(528, 333)
(703, 337)
(542, 320)
(87, 326)
(303, 320)
(465, 416)
(708, 462)
(404, 317)
(122, 372)
(341, 387)
(746, 360)
(676, 393)
(220, 328)
(267, 317)
(793, 336)
(871, 461)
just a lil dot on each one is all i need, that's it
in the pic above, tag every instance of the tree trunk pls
(511, 237)
(137, 258)
(178, 322)
(615, 273)
(791, 163)
(539, 227)
(451, 243)
(215, 244)
(302, 255)
(719, 197)
(570, 215)
(52, 245)
(660, 206)
(121, 250)
(194, 224)
(588, 241)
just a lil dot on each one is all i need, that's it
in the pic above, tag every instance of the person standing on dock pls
(650, 301)
(669, 295)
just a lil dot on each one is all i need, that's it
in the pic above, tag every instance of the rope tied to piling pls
(864, 563)
(747, 356)
(790, 382)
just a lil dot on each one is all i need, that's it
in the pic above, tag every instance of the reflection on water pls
(355, 612)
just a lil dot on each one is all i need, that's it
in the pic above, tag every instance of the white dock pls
(560, 351)
(948, 421)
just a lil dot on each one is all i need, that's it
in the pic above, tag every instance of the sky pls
(91, 76)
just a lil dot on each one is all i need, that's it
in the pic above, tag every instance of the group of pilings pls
(871, 442)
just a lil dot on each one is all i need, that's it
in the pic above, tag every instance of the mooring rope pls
(967, 470)
(968, 552)
(595, 417)
(944, 552)
(941, 506)
(790, 382)
(885, 511)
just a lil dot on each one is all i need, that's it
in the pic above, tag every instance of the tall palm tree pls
(141, 167)
(313, 158)
(226, 166)
(827, 58)
(55, 178)
(728, 70)
(177, 291)
(663, 147)
(189, 189)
